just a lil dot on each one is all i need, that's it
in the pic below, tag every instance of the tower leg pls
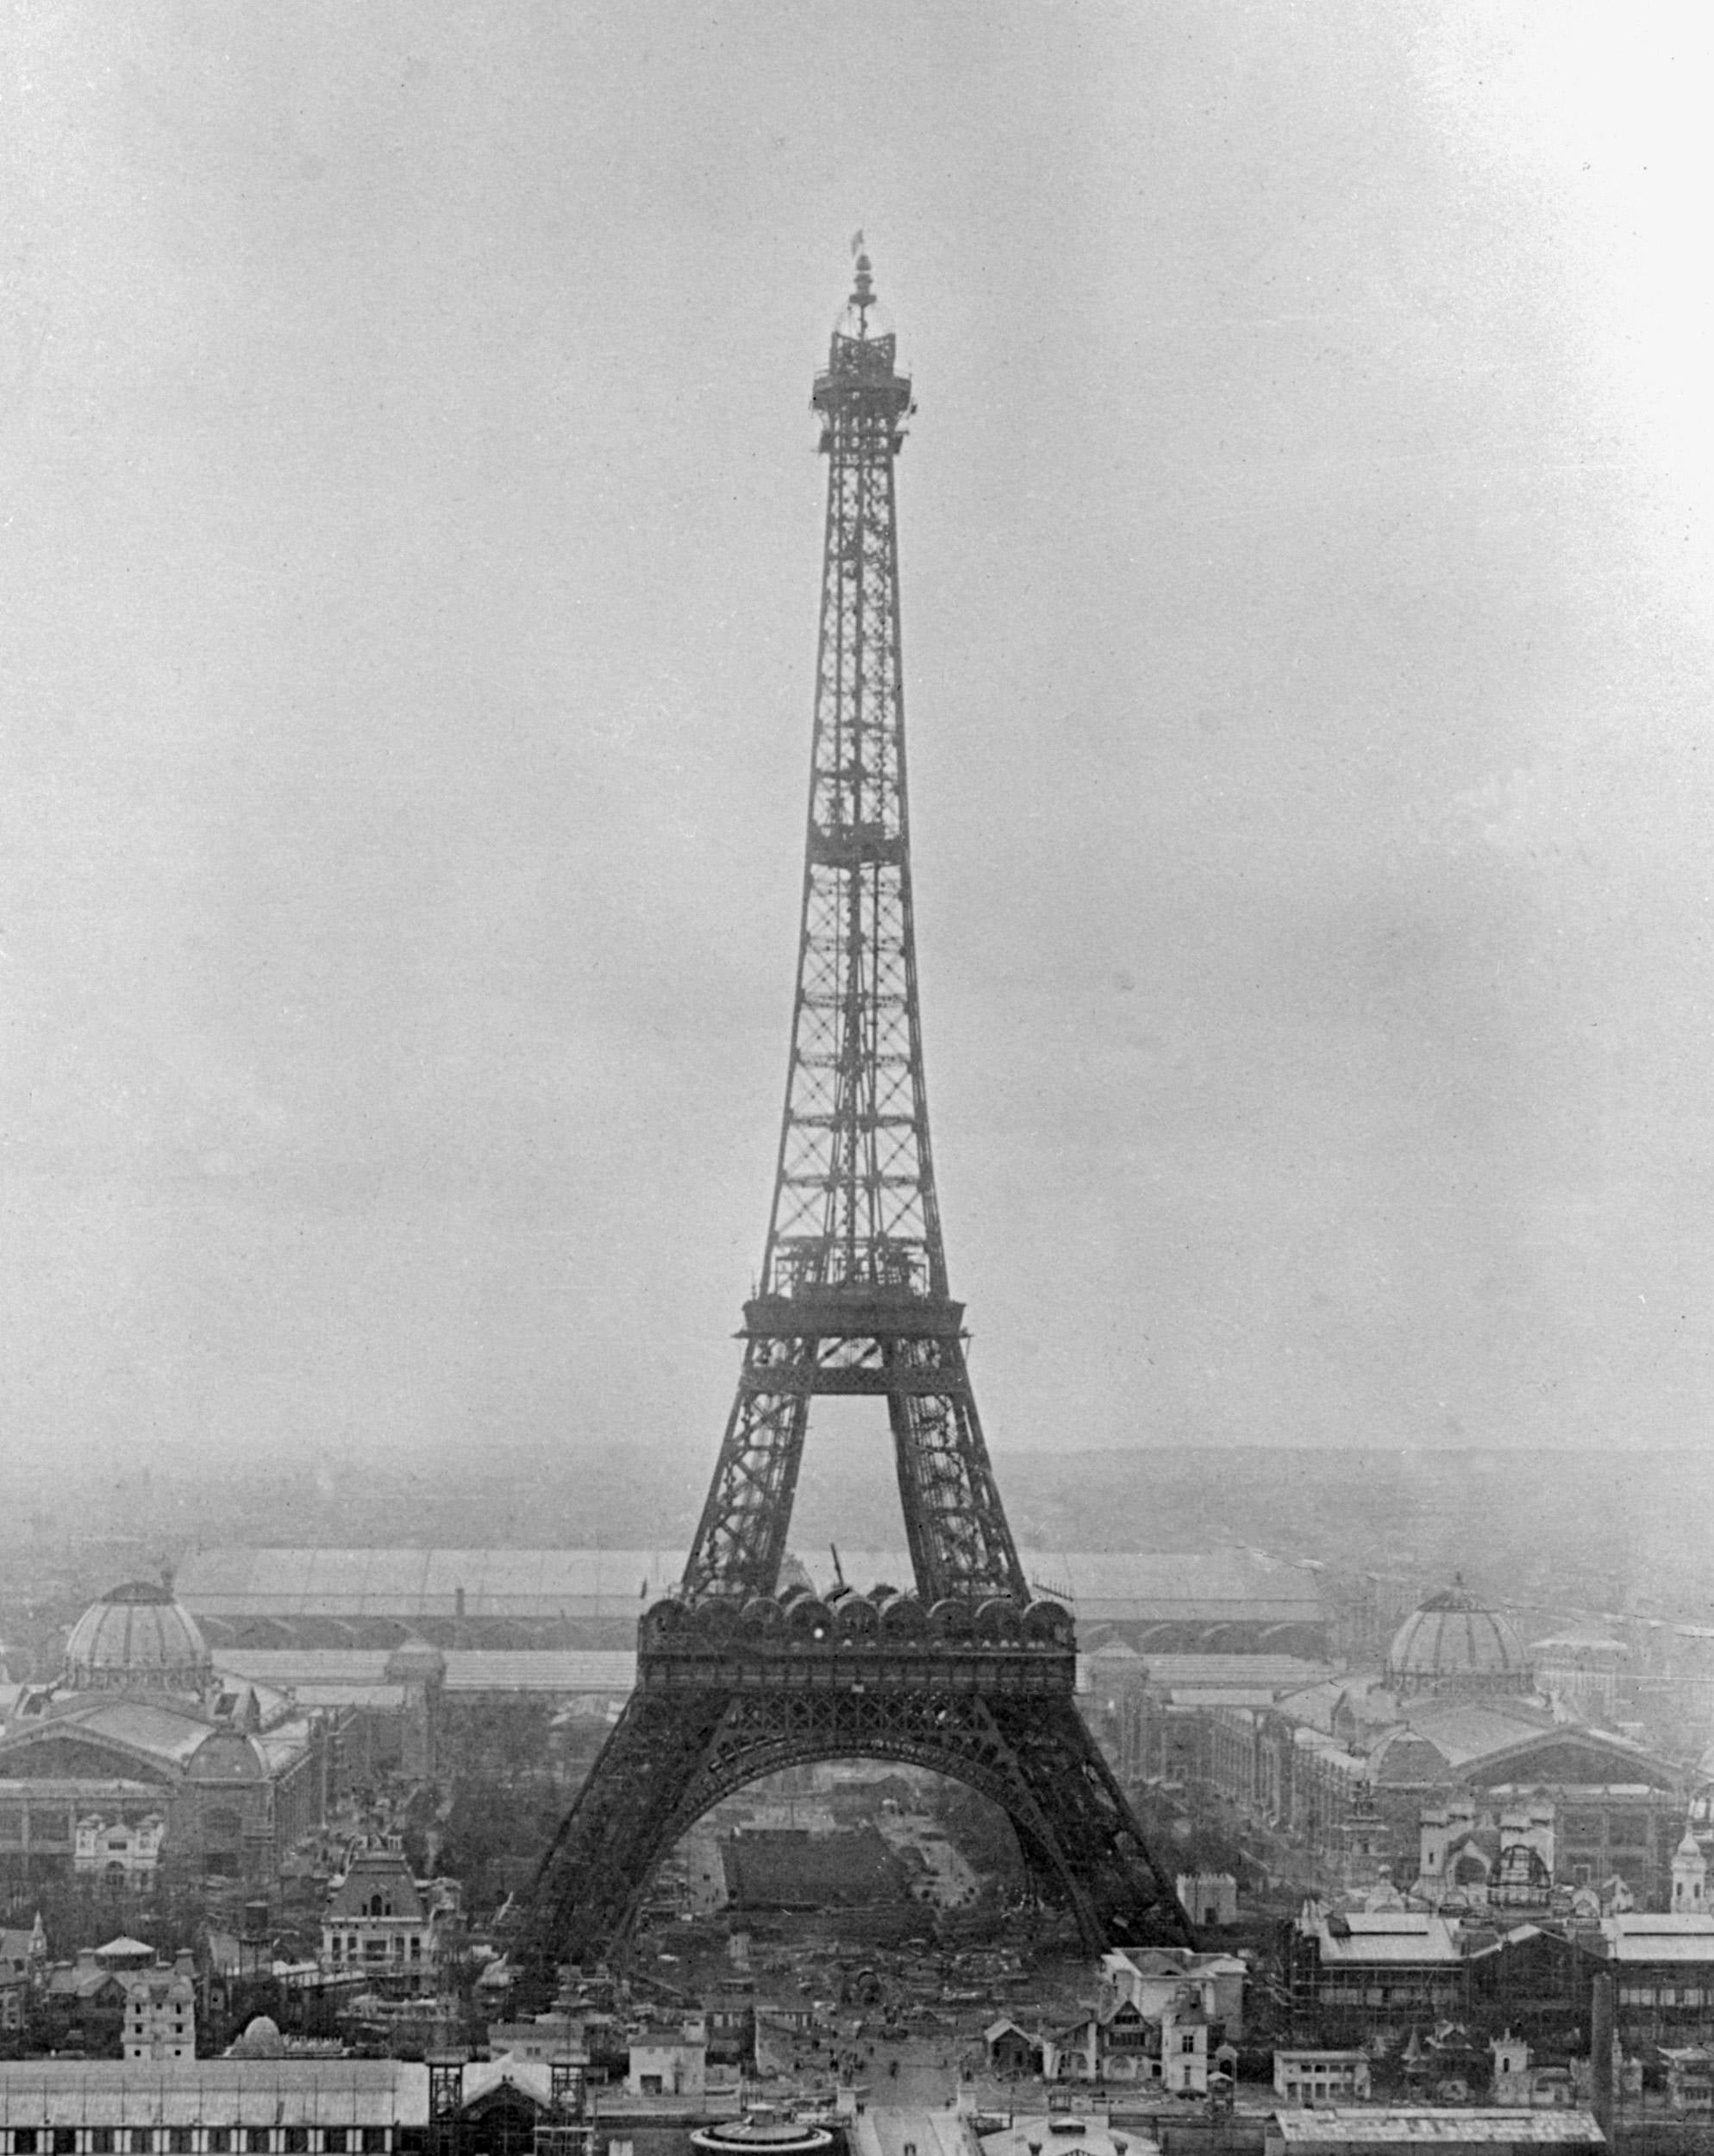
(593, 1879)
(1092, 1831)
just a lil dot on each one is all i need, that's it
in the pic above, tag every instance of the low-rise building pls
(1184, 2047)
(382, 1922)
(1663, 1968)
(1353, 1973)
(211, 2107)
(1297, 1780)
(1520, 2083)
(1322, 2076)
(1403, 2130)
(1533, 1978)
(1209, 1899)
(160, 2011)
(122, 1852)
(1171, 2047)
(1152, 1979)
(1013, 2051)
(1585, 1670)
(663, 2065)
(547, 2037)
(83, 2000)
(1690, 2079)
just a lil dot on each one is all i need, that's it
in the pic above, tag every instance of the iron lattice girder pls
(680, 1748)
(855, 1198)
(854, 1295)
(873, 1664)
(864, 1312)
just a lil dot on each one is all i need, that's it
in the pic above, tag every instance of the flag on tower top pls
(856, 242)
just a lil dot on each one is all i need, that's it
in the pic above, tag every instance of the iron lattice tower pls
(854, 1282)
(967, 1672)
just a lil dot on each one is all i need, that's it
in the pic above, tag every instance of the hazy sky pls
(411, 540)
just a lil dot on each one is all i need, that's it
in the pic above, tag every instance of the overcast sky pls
(411, 521)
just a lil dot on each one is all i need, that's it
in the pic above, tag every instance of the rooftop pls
(1645, 1937)
(242, 1581)
(1093, 2137)
(1364, 2125)
(1454, 1641)
(213, 2091)
(359, 1675)
(137, 1637)
(160, 1727)
(788, 1869)
(376, 1874)
(1400, 1937)
(1465, 1733)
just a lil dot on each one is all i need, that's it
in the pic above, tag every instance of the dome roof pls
(137, 1639)
(1454, 1643)
(261, 2039)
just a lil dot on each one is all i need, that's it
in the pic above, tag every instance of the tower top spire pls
(863, 294)
(864, 350)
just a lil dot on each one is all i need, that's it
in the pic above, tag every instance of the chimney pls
(1601, 2054)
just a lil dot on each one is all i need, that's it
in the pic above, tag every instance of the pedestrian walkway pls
(887, 2132)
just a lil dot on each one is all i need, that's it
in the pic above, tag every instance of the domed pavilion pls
(138, 1639)
(143, 1752)
(1457, 1646)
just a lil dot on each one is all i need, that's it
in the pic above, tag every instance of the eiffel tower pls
(964, 1670)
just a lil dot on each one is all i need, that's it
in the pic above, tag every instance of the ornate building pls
(143, 1751)
(382, 1922)
(1467, 1785)
(1494, 1794)
(1690, 1878)
(138, 1639)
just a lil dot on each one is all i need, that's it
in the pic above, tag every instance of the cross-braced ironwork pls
(853, 1296)
(967, 1673)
